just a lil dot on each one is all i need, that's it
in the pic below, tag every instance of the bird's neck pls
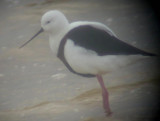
(55, 39)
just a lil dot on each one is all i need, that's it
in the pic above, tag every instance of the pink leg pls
(105, 95)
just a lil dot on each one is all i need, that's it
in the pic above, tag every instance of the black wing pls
(101, 42)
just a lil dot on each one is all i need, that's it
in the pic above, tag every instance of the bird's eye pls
(48, 22)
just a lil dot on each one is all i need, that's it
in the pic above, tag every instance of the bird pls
(88, 48)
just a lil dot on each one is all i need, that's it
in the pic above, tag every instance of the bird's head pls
(53, 22)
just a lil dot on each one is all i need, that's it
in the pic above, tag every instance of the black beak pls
(40, 31)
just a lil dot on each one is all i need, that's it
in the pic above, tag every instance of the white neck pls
(56, 37)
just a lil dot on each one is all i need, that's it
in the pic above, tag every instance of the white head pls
(52, 22)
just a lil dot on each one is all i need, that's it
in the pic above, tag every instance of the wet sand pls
(129, 103)
(36, 86)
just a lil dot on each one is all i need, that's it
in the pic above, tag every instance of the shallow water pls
(34, 85)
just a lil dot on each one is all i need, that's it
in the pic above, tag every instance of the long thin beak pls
(40, 31)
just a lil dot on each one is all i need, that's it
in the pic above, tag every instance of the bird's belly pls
(88, 62)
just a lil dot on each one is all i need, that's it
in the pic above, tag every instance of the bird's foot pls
(106, 104)
(105, 96)
(107, 109)
(108, 113)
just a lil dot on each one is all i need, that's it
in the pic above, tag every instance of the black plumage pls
(97, 40)
(101, 42)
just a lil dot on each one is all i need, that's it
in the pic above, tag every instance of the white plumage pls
(88, 48)
(55, 38)
(80, 59)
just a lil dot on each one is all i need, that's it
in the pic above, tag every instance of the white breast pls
(88, 62)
